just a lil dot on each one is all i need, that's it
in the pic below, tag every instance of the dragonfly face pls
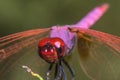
(52, 49)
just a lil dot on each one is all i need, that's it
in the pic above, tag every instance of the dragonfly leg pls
(64, 75)
(48, 72)
(58, 71)
(70, 69)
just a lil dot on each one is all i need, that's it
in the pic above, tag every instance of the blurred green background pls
(20, 15)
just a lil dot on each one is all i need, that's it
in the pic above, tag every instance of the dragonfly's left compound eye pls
(51, 49)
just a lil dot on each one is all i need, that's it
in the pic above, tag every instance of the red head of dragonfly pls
(51, 49)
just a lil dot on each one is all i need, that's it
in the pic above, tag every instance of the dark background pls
(20, 15)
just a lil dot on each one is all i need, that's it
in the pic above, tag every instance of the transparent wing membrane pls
(12, 66)
(24, 48)
(13, 37)
(99, 54)
(14, 43)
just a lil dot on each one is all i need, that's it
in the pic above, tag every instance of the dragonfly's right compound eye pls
(51, 49)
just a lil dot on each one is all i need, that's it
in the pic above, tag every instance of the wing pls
(14, 43)
(22, 49)
(99, 54)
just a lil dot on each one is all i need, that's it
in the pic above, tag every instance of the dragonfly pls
(54, 43)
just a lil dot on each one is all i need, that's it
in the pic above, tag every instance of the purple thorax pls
(68, 37)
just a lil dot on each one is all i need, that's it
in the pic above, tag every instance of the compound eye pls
(60, 46)
(50, 49)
